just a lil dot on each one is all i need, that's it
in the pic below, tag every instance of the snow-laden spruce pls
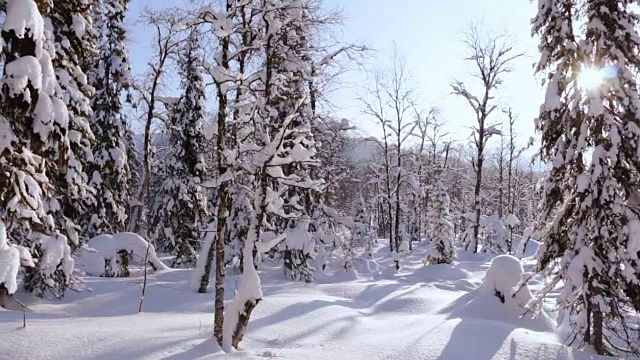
(43, 122)
(72, 33)
(110, 75)
(590, 135)
(442, 249)
(361, 231)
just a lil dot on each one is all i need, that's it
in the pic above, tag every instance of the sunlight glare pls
(591, 78)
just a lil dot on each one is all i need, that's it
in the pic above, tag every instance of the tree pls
(589, 136)
(491, 57)
(111, 76)
(442, 249)
(73, 46)
(167, 27)
(388, 102)
(362, 234)
(40, 113)
(180, 209)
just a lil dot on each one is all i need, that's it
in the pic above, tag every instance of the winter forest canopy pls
(215, 198)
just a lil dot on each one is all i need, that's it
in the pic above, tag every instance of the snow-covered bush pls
(54, 266)
(110, 255)
(298, 251)
(492, 233)
(503, 278)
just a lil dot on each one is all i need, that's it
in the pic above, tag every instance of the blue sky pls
(427, 34)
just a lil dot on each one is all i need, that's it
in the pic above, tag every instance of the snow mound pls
(105, 247)
(500, 298)
(441, 272)
(347, 275)
(407, 305)
(502, 279)
(480, 304)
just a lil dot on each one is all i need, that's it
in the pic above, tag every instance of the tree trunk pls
(223, 195)
(3, 294)
(220, 261)
(598, 335)
(243, 321)
(476, 200)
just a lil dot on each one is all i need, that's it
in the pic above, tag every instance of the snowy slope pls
(436, 312)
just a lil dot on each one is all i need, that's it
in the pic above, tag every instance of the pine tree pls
(442, 247)
(180, 212)
(590, 137)
(110, 76)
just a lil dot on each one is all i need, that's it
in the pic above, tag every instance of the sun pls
(591, 78)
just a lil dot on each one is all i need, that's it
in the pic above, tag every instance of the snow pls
(56, 252)
(21, 72)
(502, 279)
(108, 246)
(432, 312)
(512, 220)
(23, 17)
(9, 262)
(198, 273)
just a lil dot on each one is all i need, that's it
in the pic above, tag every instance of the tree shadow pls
(204, 348)
(473, 339)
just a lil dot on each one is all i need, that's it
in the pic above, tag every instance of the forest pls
(215, 203)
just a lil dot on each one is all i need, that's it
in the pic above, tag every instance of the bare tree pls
(491, 56)
(435, 136)
(167, 25)
(389, 101)
(501, 162)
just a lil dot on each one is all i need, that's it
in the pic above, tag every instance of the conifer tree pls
(111, 76)
(362, 227)
(442, 249)
(590, 134)
(71, 30)
(37, 129)
(180, 211)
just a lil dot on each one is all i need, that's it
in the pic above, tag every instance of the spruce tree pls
(38, 133)
(30, 140)
(111, 76)
(442, 249)
(590, 135)
(71, 30)
(288, 63)
(180, 211)
(362, 235)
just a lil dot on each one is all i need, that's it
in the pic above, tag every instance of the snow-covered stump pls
(503, 278)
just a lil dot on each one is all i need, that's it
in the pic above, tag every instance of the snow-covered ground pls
(434, 312)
